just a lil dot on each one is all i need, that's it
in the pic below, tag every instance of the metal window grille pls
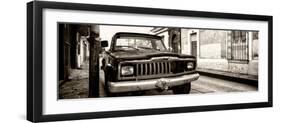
(239, 46)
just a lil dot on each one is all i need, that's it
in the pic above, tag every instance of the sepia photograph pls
(87, 61)
(103, 60)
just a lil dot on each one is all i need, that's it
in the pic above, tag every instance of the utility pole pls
(94, 50)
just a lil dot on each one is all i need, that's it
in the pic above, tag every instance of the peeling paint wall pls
(214, 64)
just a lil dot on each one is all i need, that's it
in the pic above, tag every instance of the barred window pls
(239, 46)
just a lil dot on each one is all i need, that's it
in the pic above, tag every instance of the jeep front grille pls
(156, 68)
(153, 68)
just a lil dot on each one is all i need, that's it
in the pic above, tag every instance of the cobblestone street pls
(77, 87)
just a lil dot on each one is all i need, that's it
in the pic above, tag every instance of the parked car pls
(139, 62)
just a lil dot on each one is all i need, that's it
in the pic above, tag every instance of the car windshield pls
(139, 43)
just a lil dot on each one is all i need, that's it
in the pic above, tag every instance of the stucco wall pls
(225, 65)
(253, 67)
(185, 47)
(214, 64)
(212, 45)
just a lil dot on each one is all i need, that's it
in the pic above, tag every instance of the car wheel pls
(183, 89)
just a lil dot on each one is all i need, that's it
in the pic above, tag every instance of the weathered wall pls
(238, 68)
(185, 47)
(214, 64)
(212, 45)
(254, 67)
(83, 53)
(224, 65)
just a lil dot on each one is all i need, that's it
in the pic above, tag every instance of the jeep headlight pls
(190, 65)
(127, 70)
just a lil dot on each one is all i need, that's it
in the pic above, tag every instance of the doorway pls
(193, 40)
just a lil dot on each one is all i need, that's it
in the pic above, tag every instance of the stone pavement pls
(78, 85)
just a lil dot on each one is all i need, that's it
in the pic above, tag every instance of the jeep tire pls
(182, 89)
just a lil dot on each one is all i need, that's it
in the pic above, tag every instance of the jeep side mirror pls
(104, 43)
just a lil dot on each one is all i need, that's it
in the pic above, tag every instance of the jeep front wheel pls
(182, 89)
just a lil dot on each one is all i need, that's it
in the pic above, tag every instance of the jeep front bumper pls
(150, 84)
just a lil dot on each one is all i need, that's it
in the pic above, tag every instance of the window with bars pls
(239, 46)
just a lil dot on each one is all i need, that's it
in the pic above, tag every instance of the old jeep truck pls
(138, 62)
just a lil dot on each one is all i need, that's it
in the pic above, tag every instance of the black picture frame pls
(34, 60)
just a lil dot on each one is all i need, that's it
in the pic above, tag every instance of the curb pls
(230, 78)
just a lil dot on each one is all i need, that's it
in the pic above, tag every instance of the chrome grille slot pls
(163, 67)
(145, 69)
(157, 68)
(154, 68)
(150, 68)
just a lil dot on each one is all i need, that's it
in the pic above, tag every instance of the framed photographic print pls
(94, 61)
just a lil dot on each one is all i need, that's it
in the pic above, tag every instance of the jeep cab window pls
(139, 43)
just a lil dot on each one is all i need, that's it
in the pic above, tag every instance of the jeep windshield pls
(139, 43)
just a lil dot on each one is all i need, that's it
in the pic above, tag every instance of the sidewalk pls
(78, 84)
(241, 78)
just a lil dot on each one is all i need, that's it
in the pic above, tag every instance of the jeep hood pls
(145, 54)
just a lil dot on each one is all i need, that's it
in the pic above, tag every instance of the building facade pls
(222, 50)
(73, 48)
